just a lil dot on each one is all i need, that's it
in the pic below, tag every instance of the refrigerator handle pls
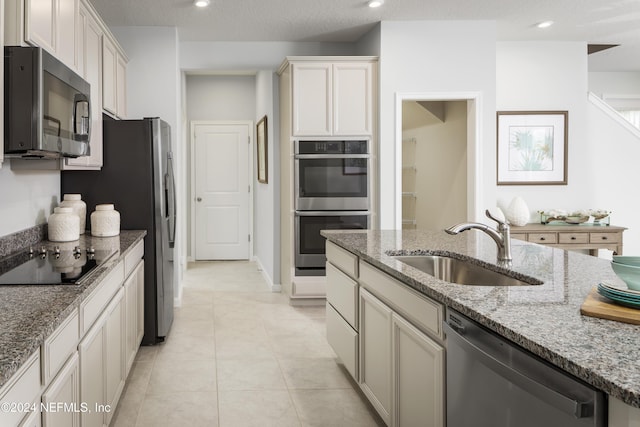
(170, 199)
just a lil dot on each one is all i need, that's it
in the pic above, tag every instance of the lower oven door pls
(310, 244)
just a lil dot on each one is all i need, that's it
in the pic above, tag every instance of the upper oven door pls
(332, 181)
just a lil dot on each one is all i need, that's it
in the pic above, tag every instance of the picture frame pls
(262, 148)
(532, 147)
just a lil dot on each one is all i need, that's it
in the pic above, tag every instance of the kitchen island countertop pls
(30, 313)
(544, 319)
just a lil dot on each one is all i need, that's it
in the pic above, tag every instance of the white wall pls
(369, 44)
(614, 154)
(266, 196)
(440, 157)
(434, 56)
(544, 76)
(28, 197)
(243, 56)
(614, 83)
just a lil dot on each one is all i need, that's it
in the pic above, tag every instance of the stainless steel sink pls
(462, 272)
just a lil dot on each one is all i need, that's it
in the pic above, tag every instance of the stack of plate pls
(626, 297)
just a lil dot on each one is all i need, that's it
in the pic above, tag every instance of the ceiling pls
(592, 21)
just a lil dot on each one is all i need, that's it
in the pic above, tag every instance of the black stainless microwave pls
(46, 106)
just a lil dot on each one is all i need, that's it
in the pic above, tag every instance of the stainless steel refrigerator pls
(137, 177)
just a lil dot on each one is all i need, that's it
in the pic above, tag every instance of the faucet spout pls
(501, 235)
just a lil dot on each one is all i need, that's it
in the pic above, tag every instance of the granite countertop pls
(545, 319)
(29, 314)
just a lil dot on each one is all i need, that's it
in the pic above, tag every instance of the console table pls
(591, 237)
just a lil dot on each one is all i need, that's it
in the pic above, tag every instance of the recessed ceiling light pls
(544, 24)
(375, 3)
(201, 3)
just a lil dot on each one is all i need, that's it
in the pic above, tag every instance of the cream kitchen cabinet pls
(102, 367)
(134, 306)
(113, 78)
(62, 398)
(89, 52)
(401, 351)
(332, 98)
(50, 24)
(23, 387)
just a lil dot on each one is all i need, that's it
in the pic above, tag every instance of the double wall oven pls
(332, 192)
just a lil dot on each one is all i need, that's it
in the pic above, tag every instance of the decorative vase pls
(497, 213)
(518, 212)
(105, 221)
(63, 225)
(79, 207)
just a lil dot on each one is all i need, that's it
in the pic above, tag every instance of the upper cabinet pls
(333, 96)
(50, 24)
(89, 55)
(114, 79)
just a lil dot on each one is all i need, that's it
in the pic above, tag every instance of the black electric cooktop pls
(50, 266)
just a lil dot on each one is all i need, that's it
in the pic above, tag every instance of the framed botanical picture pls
(261, 138)
(532, 147)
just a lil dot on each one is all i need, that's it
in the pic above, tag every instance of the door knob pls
(199, 199)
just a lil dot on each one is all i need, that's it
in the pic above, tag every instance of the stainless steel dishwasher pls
(491, 382)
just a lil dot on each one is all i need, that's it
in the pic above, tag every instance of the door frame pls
(474, 147)
(192, 177)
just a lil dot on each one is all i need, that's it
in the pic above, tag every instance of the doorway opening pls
(438, 158)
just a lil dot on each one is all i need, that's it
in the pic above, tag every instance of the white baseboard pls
(269, 280)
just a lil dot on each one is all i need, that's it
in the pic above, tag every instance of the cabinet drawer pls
(23, 387)
(573, 238)
(133, 258)
(91, 308)
(420, 310)
(604, 237)
(344, 340)
(342, 293)
(343, 259)
(60, 345)
(542, 238)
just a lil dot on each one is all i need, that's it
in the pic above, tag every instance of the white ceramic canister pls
(105, 221)
(75, 202)
(63, 225)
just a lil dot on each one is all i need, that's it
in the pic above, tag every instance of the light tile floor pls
(240, 355)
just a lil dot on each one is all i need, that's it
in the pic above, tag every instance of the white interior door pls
(221, 154)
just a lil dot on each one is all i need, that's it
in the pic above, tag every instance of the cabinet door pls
(65, 25)
(91, 351)
(121, 87)
(64, 390)
(352, 99)
(418, 372)
(39, 23)
(109, 59)
(90, 66)
(312, 99)
(114, 337)
(140, 301)
(375, 353)
(132, 294)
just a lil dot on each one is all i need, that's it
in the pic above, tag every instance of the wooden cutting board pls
(598, 306)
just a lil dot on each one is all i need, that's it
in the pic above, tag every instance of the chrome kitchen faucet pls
(502, 236)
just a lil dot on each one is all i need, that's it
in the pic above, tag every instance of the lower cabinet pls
(102, 364)
(375, 353)
(62, 397)
(134, 306)
(401, 368)
(418, 377)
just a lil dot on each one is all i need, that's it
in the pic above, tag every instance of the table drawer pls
(605, 237)
(572, 238)
(543, 238)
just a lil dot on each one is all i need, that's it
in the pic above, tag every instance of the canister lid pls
(60, 209)
(72, 197)
(105, 207)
